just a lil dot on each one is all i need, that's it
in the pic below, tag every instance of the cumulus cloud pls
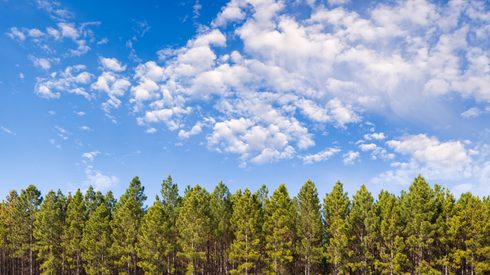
(72, 80)
(98, 180)
(90, 156)
(350, 157)
(426, 155)
(320, 156)
(111, 64)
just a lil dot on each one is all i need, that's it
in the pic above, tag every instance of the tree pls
(336, 210)
(194, 224)
(125, 224)
(22, 217)
(170, 203)
(279, 228)
(220, 211)
(153, 248)
(419, 215)
(245, 222)
(48, 232)
(75, 222)
(444, 203)
(362, 230)
(309, 228)
(390, 242)
(470, 226)
(96, 242)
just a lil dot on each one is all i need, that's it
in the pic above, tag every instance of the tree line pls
(424, 230)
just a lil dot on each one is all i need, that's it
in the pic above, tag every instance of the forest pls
(423, 230)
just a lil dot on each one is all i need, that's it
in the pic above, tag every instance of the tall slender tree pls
(310, 228)
(23, 215)
(390, 242)
(362, 231)
(336, 210)
(75, 222)
(153, 248)
(220, 211)
(96, 242)
(170, 202)
(125, 224)
(419, 214)
(48, 232)
(279, 228)
(194, 224)
(245, 249)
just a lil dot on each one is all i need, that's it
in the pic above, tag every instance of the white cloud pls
(42, 63)
(151, 130)
(85, 128)
(6, 130)
(80, 113)
(90, 156)
(72, 80)
(112, 64)
(16, 34)
(350, 157)
(368, 147)
(196, 129)
(98, 180)
(320, 156)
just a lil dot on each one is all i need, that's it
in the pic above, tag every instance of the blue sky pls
(245, 91)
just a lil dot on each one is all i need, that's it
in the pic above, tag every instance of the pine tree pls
(310, 228)
(23, 214)
(127, 216)
(390, 242)
(194, 224)
(220, 211)
(75, 221)
(336, 210)
(362, 230)
(470, 227)
(153, 248)
(48, 232)
(8, 230)
(96, 242)
(442, 240)
(279, 227)
(419, 214)
(245, 222)
(170, 203)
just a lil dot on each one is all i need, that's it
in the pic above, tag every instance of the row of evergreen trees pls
(422, 231)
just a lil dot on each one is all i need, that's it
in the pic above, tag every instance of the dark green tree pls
(362, 231)
(390, 242)
(153, 248)
(310, 228)
(194, 227)
(279, 229)
(75, 222)
(48, 232)
(220, 210)
(245, 221)
(125, 224)
(96, 242)
(336, 210)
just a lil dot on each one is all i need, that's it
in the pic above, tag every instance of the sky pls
(249, 92)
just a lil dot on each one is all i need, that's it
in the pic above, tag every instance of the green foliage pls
(336, 210)
(245, 222)
(424, 230)
(48, 232)
(362, 231)
(279, 229)
(310, 228)
(96, 242)
(194, 227)
(153, 248)
(72, 237)
(125, 224)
